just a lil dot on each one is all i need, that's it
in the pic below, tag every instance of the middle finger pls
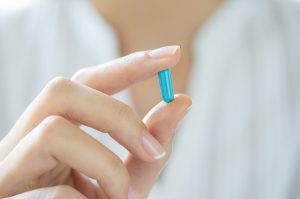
(97, 110)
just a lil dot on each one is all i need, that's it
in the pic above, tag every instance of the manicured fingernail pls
(163, 52)
(152, 146)
(131, 194)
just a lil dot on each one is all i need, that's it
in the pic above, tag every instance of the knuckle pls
(125, 111)
(58, 85)
(49, 128)
(53, 122)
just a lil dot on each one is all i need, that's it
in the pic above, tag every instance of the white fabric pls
(240, 139)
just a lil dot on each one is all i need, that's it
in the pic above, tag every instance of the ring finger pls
(54, 141)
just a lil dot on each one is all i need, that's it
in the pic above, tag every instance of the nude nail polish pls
(163, 52)
(152, 146)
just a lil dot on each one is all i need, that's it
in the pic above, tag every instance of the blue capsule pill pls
(166, 85)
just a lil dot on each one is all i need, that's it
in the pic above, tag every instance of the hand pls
(47, 154)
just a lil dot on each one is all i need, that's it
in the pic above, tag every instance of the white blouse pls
(241, 139)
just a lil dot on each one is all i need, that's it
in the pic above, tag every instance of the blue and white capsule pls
(166, 85)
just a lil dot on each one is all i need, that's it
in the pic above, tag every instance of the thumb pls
(161, 122)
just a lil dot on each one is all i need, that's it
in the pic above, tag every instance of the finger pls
(161, 121)
(57, 192)
(92, 108)
(108, 78)
(55, 141)
(165, 117)
(118, 74)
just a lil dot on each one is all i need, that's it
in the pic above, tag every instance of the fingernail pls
(163, 52)
(152, 146)
(131, 194)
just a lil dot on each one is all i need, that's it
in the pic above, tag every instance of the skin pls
(47, 154)
(149, 24)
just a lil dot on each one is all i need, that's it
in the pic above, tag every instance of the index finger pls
(120, 73)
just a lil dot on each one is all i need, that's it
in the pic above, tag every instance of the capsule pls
(166, 85)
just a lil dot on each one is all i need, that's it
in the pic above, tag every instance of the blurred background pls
(240, 64)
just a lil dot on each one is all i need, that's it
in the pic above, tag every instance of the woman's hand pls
(47, 155)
